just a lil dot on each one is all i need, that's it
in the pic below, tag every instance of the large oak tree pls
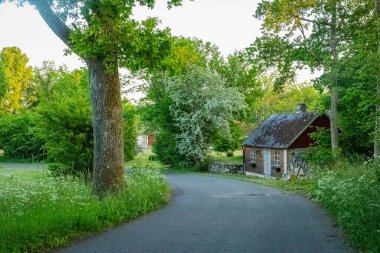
(103, 34)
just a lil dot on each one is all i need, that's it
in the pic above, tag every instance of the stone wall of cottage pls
(251, 166)
(287, 159)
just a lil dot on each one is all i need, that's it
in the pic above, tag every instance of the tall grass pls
(351, 193)
(41, 213)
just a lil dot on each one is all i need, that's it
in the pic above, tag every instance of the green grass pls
(351, 193)
(144, 160)
(305, 187)
(38, 212)
(237, 158)
(23, 173)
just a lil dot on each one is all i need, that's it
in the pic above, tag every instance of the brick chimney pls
(301, 108)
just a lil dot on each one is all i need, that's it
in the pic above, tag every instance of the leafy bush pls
(165, 148)
(320, 155)
(17, 136)
(64, 120)
(41, 213)
(224, 143)
(202, 106)
(230, 153)
(352, 194)
(130, 130)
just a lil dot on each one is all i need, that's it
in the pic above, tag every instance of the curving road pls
(211, 214)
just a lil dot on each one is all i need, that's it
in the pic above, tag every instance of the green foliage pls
(320, 155)
(146, 159)
(188, 112)
(3, 82)
(235, 158)
(64, 119)
(17, 137)
(43, 213)
(165, 147)
(186, 53)
(15, 78)
(272, 101)
(202, 106)
(239, 72)
(351, 193)
(130, 130)
(224, 144)
(157, 118)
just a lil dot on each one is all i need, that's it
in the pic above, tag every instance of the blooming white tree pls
(202, 106)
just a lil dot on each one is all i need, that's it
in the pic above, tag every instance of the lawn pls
(236, 159)
(23, 173)
(145, 159)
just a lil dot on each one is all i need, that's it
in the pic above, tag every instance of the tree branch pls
(306, 47)
(315, 22)
(341, 20)
(56, 25)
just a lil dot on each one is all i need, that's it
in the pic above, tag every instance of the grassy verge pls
(351, 193)
(39, 212)
(305, 187)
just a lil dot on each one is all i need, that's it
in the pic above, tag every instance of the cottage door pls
(267, 163)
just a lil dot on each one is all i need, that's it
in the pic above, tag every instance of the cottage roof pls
(280, 130)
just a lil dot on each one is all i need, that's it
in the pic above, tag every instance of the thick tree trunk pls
(107, 127)
(376, 147)
(106, 105)
(334, 81)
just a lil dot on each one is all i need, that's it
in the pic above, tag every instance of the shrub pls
(17, 136)
(352, 195)
(64, 121)
(130, 130)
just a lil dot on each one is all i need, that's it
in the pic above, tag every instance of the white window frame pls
(276, 158)
(253, 156)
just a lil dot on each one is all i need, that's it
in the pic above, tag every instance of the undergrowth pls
(351, 193)
(41, 213)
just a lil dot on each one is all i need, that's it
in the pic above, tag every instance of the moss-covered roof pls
(280, 130)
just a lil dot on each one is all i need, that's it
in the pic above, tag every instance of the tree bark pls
(56, 25)
(376, 146)
(107, 127)
(106, 105)
(334, 81)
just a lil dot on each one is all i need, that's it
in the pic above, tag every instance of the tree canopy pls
(15, 79)
(106, 37)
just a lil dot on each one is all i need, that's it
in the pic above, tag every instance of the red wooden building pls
(277, 143)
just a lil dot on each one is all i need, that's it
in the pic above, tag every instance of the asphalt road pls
(211, 214)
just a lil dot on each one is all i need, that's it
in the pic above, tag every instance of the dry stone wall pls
(223, 168)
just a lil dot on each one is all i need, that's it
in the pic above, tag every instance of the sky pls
(228, 24)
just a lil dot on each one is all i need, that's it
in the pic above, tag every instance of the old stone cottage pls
(272, 148)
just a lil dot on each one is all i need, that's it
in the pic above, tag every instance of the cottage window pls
(253, 156)
(276, 158)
